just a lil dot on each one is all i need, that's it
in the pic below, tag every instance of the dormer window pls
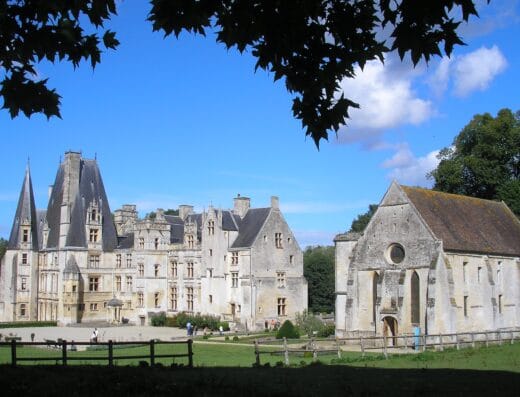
(156, 243)
(93, 235)
(211, 227)
(190, 240)
(25, 235)
(141, 242)
(93, 215)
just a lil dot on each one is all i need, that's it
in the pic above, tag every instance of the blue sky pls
(188, 122)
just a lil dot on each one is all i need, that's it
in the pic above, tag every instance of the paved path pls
(123, 333)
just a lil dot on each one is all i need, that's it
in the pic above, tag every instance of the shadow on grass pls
(313, 380)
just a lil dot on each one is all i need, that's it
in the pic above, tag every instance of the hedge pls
(27, 324)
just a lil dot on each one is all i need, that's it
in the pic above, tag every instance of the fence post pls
(472, 340)
(13, 352)
(384, 347)
(257, 354)
(286, 351)
(500, 338)
(362, 347)
(424, 343)
(339, 348)
(190, 353)
(512, 336)
(64, 352)
(487, 339)
(457, 341)
(152, 352)
(110, 353)
(440, 343)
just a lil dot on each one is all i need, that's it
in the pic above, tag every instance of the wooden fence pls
(65, 348)
(396, 344)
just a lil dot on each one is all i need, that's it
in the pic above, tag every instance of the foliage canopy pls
(3, 247)
(312, 44)
(484, 160)
(360, 223)
(318, 269)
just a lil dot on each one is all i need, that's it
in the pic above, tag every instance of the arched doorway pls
(390, 329)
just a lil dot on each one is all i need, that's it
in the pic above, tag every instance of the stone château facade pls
(78, 262)
(443, 262)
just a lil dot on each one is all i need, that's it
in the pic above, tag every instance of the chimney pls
(159, 215)
(241, 205)
(72, 166)
(185, 210)
(275, 203)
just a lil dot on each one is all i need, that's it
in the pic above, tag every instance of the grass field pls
(225, 369)
(503, 358)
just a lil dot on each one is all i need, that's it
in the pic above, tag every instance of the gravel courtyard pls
(83, 333)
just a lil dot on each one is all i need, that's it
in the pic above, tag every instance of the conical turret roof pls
(25, 215)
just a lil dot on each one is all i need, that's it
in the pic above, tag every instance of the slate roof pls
(468, 224)
(71, 266)
(41, 216)
(229, 221)
(176, 228)
(250, 226)
(126, 241)
(25, 211)
(90, 189)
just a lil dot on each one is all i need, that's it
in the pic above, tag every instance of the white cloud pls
(440, 78)
(408, 169)
(387, 100)
(476, 70)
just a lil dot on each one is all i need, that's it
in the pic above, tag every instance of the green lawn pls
(505, 357)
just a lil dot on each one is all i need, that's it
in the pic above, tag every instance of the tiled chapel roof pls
(468, 224)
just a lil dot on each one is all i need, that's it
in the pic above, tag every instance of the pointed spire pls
(25, 217)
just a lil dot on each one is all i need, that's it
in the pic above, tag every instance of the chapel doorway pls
(390, 330)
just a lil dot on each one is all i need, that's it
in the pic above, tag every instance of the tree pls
(360, 223)
(484, 160)
(3, 247)
(312, 44)
(318, 269)
(34, 30)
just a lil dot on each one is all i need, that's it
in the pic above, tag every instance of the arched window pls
(375, 280)
(415, 299)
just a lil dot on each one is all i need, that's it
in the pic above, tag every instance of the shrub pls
(171, 321)
(226, 338)
(287, 330)
(158, 320)
(182, 319)
(308, 323)
(225, 325)
(235, 338)
(25, 324)
(327, 330)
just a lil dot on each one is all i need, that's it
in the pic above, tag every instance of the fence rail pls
(65, 348)
(398, 344)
